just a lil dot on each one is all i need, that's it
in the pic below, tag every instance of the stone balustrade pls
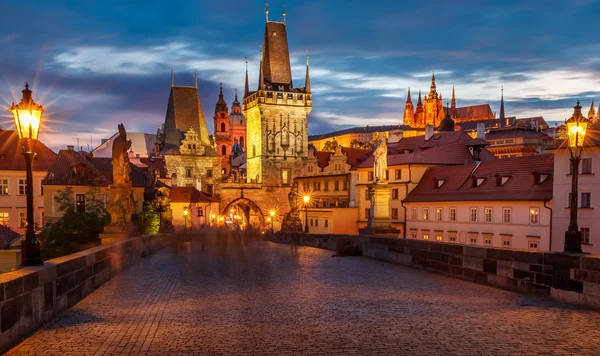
(31, 296)
(568, 278)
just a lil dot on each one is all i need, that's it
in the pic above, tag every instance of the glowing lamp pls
(306, 199)
(576, 128)
(269, 219)
(272, 213)
(185, 212)
(27, 115)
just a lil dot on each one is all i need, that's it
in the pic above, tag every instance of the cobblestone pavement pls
(264, 300)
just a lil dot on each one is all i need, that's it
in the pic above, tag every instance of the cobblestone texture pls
(263, 300)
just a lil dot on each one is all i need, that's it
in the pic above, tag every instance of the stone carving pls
(120, 158)
(291, 220)
(380, 154)
(120, 206)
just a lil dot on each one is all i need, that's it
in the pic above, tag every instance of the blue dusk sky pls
(94, 64)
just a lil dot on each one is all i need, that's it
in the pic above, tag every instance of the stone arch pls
(249, 207)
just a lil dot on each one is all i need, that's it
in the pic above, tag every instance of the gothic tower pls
(433, 108)
(592, 115)
(276, 114)
(409, 111)
(419, 122)
(453, 107)
(223, 140)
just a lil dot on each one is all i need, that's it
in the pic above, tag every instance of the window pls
(285, 177)
(425, 236)
(473, 214)
(506, 243)
(586, 199)
(395, 193)
(223, 150)
(242, 141)
(414, 213)
(317, 222)
(223, 126)
(439, 237)
(336, 185)
(326, 222)
(367, 213)
(586, 166)
(452, 214)
(413, 234)
(4, 218)
(345, 185)
(3, 186)
(312, 222)
(438, 214)
(398, 174)
(506, 215)
(41, 188)
(209, 188)
(367, 197)
(253, 150)
(533, 245)
(22, 219)
(22, 186)
(80, 203)
(394, 213)
(200, 211)
(585, 235)
(425, 213)
(387, 175)
(310, 169)
(371, 177)
(188, 172)
(452, 238)
(209, 173)
(326, 185)
(473, 240)
(488, 215)
(487, 241)
(534, 216)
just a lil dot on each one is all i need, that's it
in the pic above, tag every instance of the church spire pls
(502, 115)
(432, 92)
(172, 78)
(260, 72)
(592, 115)
(307, 80)
(408, 99)
(453, 99)
(246, 86)
(419, 103)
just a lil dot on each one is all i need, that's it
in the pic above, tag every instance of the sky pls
(94, 64)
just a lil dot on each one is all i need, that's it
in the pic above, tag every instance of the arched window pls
(222, 127)
(223, 150)
(242, 141)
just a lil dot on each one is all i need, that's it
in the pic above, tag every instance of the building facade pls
(230, 129)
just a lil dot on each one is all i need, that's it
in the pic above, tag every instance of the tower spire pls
(267, 10)
(246, 87)
(307, 80)
(196, 79)
(260, 72)
(453, 99)
(502, 115)
(172, 78)
(419, 103)
(592, 116)
(236, 98)
(408, 99)
(284, 14)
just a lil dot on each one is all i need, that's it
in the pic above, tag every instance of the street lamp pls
(185, 214)
(272, 220)
(306, 199)
(576, 128)
(28, 116)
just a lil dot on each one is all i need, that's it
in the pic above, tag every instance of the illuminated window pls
(4, 218)
(488, 215)
(439, 237)
(395, 194)
(438, 214)
(425, 213)
(22, 186)
(473, 214)
(534, 216)
(414, 213)
(80, 203)
(398, 174)
(285, 177)
(585, 234)
(3, 186)
(506, 215)
(22, 219)
(452, 214)
(425, 236)
(371, 177)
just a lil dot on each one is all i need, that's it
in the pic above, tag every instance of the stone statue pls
(380, 154)
(293, 199)
(120, 158)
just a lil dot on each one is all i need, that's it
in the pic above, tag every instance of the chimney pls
(428, 132)
(71, 147)
(481, 130)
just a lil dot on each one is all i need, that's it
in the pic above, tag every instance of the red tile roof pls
(98, 170)
(189, 195)
(158, 163)
(458, 186)
(473, 111)
(7, 236)
(355, 155)
(11, 157)
(510, 132)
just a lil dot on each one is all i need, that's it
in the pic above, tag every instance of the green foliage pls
(73, 231)
(147, 221)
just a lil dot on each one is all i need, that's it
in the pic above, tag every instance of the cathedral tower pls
(409, 111)
(276, 114)
(433, 109)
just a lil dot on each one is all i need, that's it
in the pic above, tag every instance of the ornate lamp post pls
(185, 214)
(272, 219)
(576, 129)
(306, 200)
(28, 116)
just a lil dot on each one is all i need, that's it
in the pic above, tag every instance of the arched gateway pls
(244, 211)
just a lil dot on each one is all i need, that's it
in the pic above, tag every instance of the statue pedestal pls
(114, 233)
(291, 222)
(380, 222)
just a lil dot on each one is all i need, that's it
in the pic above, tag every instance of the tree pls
(148, 220)
(74, 230)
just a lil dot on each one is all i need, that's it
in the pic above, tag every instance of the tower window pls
(223, 150)
(222, 127)
(242, 141)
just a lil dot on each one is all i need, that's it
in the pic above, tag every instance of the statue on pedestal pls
(121, 202)
(120, 158)
(380, 154)
(291, 220)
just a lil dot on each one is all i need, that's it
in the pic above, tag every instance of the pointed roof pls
(184, 110)
(246, 86)
(408, 99)
(453, 98)
(307, 80)
(432, 91)
(592, 112)
(502, 115)
(419, 103)
(276, 68)
(221, 104)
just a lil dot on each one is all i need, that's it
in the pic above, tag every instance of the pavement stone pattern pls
(263, 299)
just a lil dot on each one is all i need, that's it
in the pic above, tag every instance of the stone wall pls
(31, 296)
(568, 278)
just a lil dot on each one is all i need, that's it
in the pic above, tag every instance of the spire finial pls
(307, 80)
(260, 71)
(196, 78)
(284, 14)
(246, 86)
(172, 78)
(236, 99)
(267, 10)
(307, 57)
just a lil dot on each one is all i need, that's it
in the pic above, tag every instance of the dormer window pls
(502, 178)
(477, 181)
(439, 181)
(79, 170)
(540, 177)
